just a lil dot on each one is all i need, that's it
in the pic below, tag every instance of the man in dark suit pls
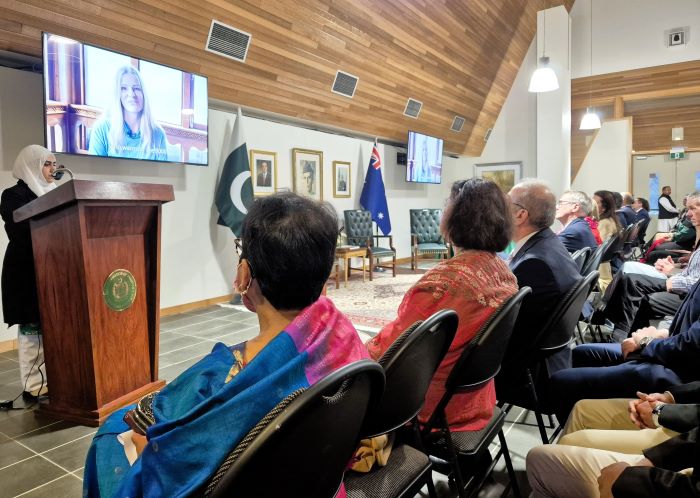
(572, 208)
(541, 262)
(651, 360)
(641, 213)
(627, 211)
(264, 179)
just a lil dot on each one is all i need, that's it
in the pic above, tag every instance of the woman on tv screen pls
(129, 130)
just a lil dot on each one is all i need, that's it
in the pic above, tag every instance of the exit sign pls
(677, 155)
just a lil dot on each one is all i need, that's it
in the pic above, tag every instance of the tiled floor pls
(44, 457)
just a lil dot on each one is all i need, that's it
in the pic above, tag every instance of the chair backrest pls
(643, 225)
(613, 246)
(594, 260)
(425, 224)
(358, 226)
(580, 257)
(305, 449)
(481, 359)
(559, 330)
(409, 365)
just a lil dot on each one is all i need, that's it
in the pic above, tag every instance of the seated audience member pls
(641, 213)
(572, 208)
(474, 283)
(668, 212)
(573, 469)
(651, 360)
(674, 243)
(608, 226)
(621, 218)
(592, 220)
(541, 262)
(639, 292)
(627, 210)
(181, 435)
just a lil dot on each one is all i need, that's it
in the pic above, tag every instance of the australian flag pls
(373, 197)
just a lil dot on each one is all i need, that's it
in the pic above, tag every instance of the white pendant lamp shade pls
(590, 120)
(544, 79)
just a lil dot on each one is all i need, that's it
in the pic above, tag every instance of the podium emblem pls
(119, 290)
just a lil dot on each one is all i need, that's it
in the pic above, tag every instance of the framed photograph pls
(263, 172)
(505, 175)
(341, 179)
(307, 173)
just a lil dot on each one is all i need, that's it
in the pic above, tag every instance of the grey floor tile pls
(27, 475)
(11, 452)
(7, 363)
(66, 486)
(211, 329)
(25, 422)
(80, 472)
(195, 351)
(170, 372)
(9, 377)
(70, 456)
(52, 436)
(186, 321)
(171, 342)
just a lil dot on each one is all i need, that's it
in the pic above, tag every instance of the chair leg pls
(459, 481)
(509, 464)
(431, 485)
(371, 265)
(538, 415)
(393, 266)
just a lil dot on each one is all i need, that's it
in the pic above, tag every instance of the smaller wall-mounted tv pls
(108, 104)
(423, 158)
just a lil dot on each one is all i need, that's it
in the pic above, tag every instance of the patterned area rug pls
(371, 305)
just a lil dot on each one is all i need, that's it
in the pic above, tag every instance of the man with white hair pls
(572, 208)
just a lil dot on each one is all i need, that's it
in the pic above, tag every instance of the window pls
(653, 192)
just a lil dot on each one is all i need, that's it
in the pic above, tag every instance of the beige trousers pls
(598, 433)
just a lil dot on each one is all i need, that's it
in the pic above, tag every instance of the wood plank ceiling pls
(458, 57)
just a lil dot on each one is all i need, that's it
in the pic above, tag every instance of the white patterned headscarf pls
(28, 166)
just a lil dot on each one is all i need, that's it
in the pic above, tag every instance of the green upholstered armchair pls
(358, 229)
(425, 235)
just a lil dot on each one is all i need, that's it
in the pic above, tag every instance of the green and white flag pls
(234, 194)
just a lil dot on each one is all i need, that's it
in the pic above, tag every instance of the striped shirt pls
(682, 282)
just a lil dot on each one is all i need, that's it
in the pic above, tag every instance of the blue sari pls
(200, 417)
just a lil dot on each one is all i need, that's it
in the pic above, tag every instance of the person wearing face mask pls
(20, 305)
(173, 441)
(129, 130)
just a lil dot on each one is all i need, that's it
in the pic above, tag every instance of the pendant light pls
(590, 120)
(544, 79)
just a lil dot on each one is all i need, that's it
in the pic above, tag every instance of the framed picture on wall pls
(307, 173)
(341, 179)
(263, 171)
(505, 175)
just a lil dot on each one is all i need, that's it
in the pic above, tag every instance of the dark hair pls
(607, 202)
(643, 202)
(478, 216)
(289, 242)
(618, 199)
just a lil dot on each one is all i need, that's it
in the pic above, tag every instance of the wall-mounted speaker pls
(401, 158)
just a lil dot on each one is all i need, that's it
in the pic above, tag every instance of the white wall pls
(629, 34)
(607, 163)
(514, 136)
(197, 255)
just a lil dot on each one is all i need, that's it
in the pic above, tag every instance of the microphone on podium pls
(60, 171)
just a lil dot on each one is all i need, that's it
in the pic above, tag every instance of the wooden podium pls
(97, 255)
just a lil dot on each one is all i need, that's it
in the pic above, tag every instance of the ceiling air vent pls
(228, 41)
(677, 37)
(457, 124)
(413, 108)
(344, 84)
(488, 134)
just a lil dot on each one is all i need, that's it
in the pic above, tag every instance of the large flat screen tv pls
(104, 103)
(424, 158)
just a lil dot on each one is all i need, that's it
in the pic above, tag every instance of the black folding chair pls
(409, 365)
(478, 364)
(581, 256)
(555, 335)
(302, 447)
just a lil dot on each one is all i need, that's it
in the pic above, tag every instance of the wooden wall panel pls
(455, 56)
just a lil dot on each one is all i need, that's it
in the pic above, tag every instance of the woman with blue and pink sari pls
(173, 441)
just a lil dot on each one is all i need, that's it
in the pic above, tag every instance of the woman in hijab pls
(33, 169)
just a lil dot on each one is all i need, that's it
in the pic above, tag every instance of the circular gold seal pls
(119, 290)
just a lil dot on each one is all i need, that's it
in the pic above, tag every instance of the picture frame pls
(264, 182)
(307, 173)
(341, 179)
(505, 175)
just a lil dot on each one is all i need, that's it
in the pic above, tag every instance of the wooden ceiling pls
(458, 57)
